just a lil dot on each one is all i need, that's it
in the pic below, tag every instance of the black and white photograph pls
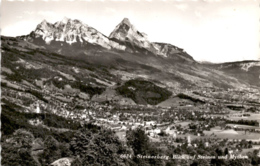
(130, 82)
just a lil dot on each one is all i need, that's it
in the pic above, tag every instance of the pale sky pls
(209, 30)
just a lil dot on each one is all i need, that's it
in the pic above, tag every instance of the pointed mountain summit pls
(65, 20)
(126, 21)
(70, 31)
(67, 35)
(44, 26)
(127, 33)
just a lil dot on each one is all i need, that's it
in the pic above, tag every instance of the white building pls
(37, 110)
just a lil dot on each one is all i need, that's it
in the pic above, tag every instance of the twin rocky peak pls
(123, 36)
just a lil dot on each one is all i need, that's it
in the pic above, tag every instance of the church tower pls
(37, 108)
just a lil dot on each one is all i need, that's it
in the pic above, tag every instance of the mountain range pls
(74, 34)
(82, 56)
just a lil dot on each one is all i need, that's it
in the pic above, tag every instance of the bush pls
(101, 148)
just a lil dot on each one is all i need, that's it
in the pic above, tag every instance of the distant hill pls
(143, 92)
(245, 71)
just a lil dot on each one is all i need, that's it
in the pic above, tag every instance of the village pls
(179, 126)
(183, 124)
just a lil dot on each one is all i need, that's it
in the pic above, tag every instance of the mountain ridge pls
(68, 30)
(125, 37)
(176, 70)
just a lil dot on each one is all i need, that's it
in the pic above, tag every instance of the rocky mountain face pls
(128, 54)
(67, 34)
(172, 51)
(70, 31)
(126, 32)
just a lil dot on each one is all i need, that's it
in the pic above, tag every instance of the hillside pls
(38, 68)
(128, 54)
(143, 92)
(246, 71)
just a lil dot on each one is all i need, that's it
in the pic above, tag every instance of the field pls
(174, 102)
(243, 126)
(231, 134)
(183, 124)
(251, 117)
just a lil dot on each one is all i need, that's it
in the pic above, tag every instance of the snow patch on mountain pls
(247, 66)
(126, 32)
(72, 31)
